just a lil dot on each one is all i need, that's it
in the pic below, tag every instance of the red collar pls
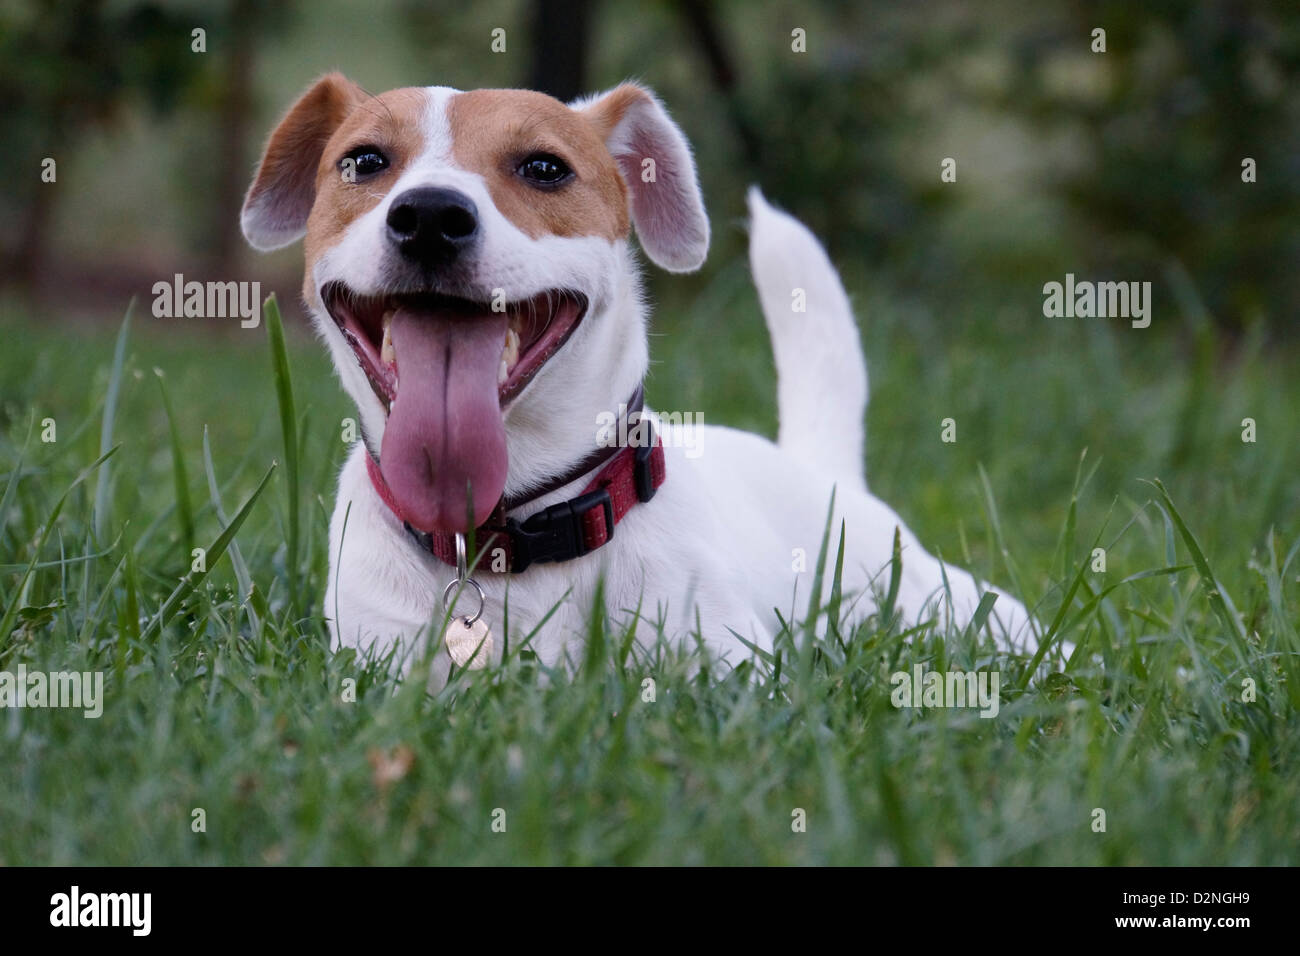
(561, 532)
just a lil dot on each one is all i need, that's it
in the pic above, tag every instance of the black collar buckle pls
(642, 475)
(556, 533)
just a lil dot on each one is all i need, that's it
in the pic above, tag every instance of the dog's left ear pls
(655, 160)
(280, 199)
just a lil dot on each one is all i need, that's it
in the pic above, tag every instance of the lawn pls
(1176, 717)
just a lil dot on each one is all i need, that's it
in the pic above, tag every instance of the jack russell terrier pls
(468, 263)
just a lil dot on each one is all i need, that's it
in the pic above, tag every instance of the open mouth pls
(445, 368)
(536, 328)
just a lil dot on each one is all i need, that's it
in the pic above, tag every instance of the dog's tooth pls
(387, 354)
(503, 373)
(510, 354)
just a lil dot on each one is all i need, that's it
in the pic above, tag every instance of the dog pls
(469, 266)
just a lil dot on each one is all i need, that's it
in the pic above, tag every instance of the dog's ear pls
(655, 160)
(284, 188)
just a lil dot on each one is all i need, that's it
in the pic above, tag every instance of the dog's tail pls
(821, 374)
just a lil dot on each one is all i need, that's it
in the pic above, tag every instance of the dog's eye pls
(363, 161)
(543, 169)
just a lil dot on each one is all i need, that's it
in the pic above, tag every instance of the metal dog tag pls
(468, 639)
(469, 643)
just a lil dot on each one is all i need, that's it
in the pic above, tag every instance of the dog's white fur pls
(714, 552)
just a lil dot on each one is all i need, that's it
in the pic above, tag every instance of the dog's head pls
(467, 262)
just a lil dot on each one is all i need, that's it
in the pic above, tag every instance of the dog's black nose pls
(433, 226)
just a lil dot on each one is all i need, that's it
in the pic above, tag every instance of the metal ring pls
(482, 599)
(462, 563)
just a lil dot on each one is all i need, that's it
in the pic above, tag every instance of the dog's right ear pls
(284, 188)
(666, 205)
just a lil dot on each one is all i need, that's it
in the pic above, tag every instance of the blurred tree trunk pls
(702, 25)
(560, 34)
(30, 256)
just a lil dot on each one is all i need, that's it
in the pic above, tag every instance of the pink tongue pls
(445, 432)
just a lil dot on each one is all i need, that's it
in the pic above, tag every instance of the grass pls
(222, 695)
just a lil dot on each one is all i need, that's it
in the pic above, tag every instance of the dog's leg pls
(821, 373)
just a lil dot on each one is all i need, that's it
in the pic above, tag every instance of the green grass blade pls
(815, 597)
(11, 612)
(242, 578)
(288, 433)
(104, 485)
(129, 614)
(886, 615)
(837, 591)
(981, 615)
(1218, 597)
(990, 506)
(1049, 638)
(180, 478)
(11, 485)
(214, 553)
(594, 656)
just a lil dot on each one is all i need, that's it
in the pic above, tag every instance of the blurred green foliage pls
(1123, 164)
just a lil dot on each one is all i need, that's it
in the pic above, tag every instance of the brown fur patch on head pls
(393, 123)
(607, 112)
(493, 131)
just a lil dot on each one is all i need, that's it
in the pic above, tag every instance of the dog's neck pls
(627, 416)
(559, 423)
